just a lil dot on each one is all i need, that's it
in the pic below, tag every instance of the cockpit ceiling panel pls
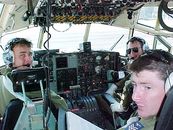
(86, 11)
(19, 14)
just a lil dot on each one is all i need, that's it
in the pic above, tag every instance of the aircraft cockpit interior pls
(81, 78)
(85, 62)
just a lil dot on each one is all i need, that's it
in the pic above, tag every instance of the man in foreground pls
(149, 73)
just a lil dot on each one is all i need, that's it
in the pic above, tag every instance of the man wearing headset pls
(136, 46)
(150, 73)
(18, 55)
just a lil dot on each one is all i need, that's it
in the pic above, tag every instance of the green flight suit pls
(142, 124)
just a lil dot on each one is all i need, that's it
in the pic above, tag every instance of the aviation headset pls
(167, 59)
(169, 79)
(169, 82)
(143, 43)
(8, 52)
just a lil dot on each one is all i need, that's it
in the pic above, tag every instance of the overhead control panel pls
(81, 11)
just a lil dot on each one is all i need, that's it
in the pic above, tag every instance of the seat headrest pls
(30, 78)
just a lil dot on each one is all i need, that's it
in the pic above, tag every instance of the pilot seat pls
(25, 113)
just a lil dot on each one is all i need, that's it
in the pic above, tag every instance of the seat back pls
(166, 116)
(5, 95)
(32, 118)
(11, 114)
(33, 113)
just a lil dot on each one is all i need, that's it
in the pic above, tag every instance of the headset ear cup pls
(8, 57)
(145, 47)
(169, 82)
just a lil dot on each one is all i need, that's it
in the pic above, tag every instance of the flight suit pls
(125, 99)
(135, 123)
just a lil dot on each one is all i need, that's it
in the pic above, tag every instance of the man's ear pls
(169, 82)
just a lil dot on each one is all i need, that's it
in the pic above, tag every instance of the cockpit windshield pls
(68, 36)
(1, 7)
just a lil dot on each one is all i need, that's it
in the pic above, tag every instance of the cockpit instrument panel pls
(84, 71)
(81, 78)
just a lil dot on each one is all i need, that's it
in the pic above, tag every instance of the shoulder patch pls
(134, 126)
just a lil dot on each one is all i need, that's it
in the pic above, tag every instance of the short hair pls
(154, 60)
(140, 40)
(17, 41)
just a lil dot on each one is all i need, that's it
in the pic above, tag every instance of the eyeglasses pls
(135, 49)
